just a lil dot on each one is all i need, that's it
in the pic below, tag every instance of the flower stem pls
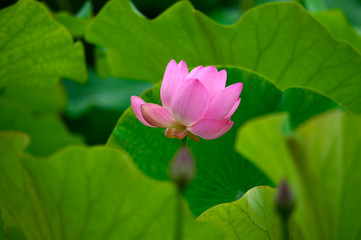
(285, 229)
(178, 228)
(184, 141)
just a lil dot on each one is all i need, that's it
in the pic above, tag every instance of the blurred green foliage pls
(93, 108)
(321, 161)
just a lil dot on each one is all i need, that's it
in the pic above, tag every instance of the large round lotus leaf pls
(281, 41)
(88, 193)
(35, 49)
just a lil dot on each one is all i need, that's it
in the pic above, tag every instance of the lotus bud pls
(284, 200)
(182, 168)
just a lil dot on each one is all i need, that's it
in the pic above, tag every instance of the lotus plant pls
(194, 104)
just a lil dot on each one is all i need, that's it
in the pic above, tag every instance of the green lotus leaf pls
(109, 94)
(351, 8)
(281, 41)
(76, 26)
(47, 131)
(88, 193)
(251, 217)
(35, 50)
(336, 22)
(39, 100)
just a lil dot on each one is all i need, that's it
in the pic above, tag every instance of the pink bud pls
(182, 168)
(198, 103)
(284, 199)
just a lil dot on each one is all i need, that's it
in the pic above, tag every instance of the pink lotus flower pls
(194, 104)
